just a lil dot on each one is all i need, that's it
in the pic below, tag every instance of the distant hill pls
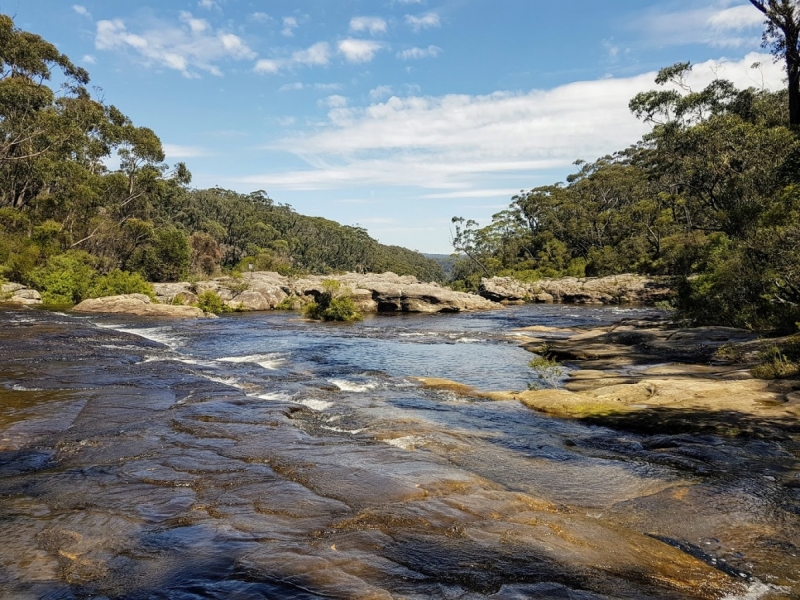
(446, 261)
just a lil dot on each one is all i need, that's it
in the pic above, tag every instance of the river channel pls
(263, 456)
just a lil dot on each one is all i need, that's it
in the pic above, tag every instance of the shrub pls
(779, 361)
(210, 301)
(166, 258)
(333, 306)
(65, 279)
(548, 372)
(120, 282)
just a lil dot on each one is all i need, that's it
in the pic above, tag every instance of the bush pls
(548, 372)
(779, 361)
(333, 306)
(120, 282)
(210, 301)
(166, 258)
(65, 279)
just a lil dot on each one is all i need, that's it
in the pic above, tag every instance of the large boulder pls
(138, 304)
(250, 300)
(16, 293)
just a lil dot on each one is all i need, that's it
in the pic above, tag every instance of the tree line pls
(62, 209)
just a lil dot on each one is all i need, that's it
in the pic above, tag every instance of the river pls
(263, 456)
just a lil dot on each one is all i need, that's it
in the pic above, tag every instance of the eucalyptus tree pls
(782, 35)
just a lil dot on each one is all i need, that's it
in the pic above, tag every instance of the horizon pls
(388, 115)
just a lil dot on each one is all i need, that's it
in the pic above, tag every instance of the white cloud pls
(380, 92)
(425, 21)
(192, 45)
(289, 25)
(718, 25)
(286, 121)
(408, 1)
(260, 17)
(89, 59)
(458, 143)
(359, 51)
(374, 25)
(335, 101)
(267, 66)
(209, 4)
(415, 53)
(318, 54)
(177, 151)
(323, 87)
(81, 10)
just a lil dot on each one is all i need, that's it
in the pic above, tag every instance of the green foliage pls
(779, 361)
(120, 282)
(210, 301)
(332, 304)
(548, 371)
(166, 258)
(65, 279)
(711, 197)
(56, 193)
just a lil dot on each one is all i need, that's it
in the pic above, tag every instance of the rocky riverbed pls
(261, 455)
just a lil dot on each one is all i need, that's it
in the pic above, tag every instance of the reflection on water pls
(261, 456)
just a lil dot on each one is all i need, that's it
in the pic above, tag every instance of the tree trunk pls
(793, 75)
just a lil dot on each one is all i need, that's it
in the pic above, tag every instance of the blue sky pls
(393, 114)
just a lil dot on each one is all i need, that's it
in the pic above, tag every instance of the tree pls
(783, 36)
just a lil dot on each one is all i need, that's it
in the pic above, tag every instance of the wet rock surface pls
(262, 456)
(614, 289)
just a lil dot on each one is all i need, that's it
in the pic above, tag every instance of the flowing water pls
(262, 456)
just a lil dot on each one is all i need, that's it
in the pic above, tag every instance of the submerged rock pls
(138, 304)
(615, 289)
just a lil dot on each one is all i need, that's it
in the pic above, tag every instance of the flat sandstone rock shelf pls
(372, 293)
(140, 305)
(614, 289)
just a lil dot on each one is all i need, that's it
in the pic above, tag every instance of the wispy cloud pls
(260, 17)
(81, 10)
(192, 45)
(207, 4)
(359, 51)
(88, 59)
(297, 85)
(289, 25)
(335, 101)
(415, 53)
(380, 92)
(456, 143)
(717, 24)
(178, 151)
(374, 25)
(318, 54)
(425, 21)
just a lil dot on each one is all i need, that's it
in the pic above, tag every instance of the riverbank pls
(645, 377)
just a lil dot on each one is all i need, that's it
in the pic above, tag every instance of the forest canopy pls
(64, 211)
